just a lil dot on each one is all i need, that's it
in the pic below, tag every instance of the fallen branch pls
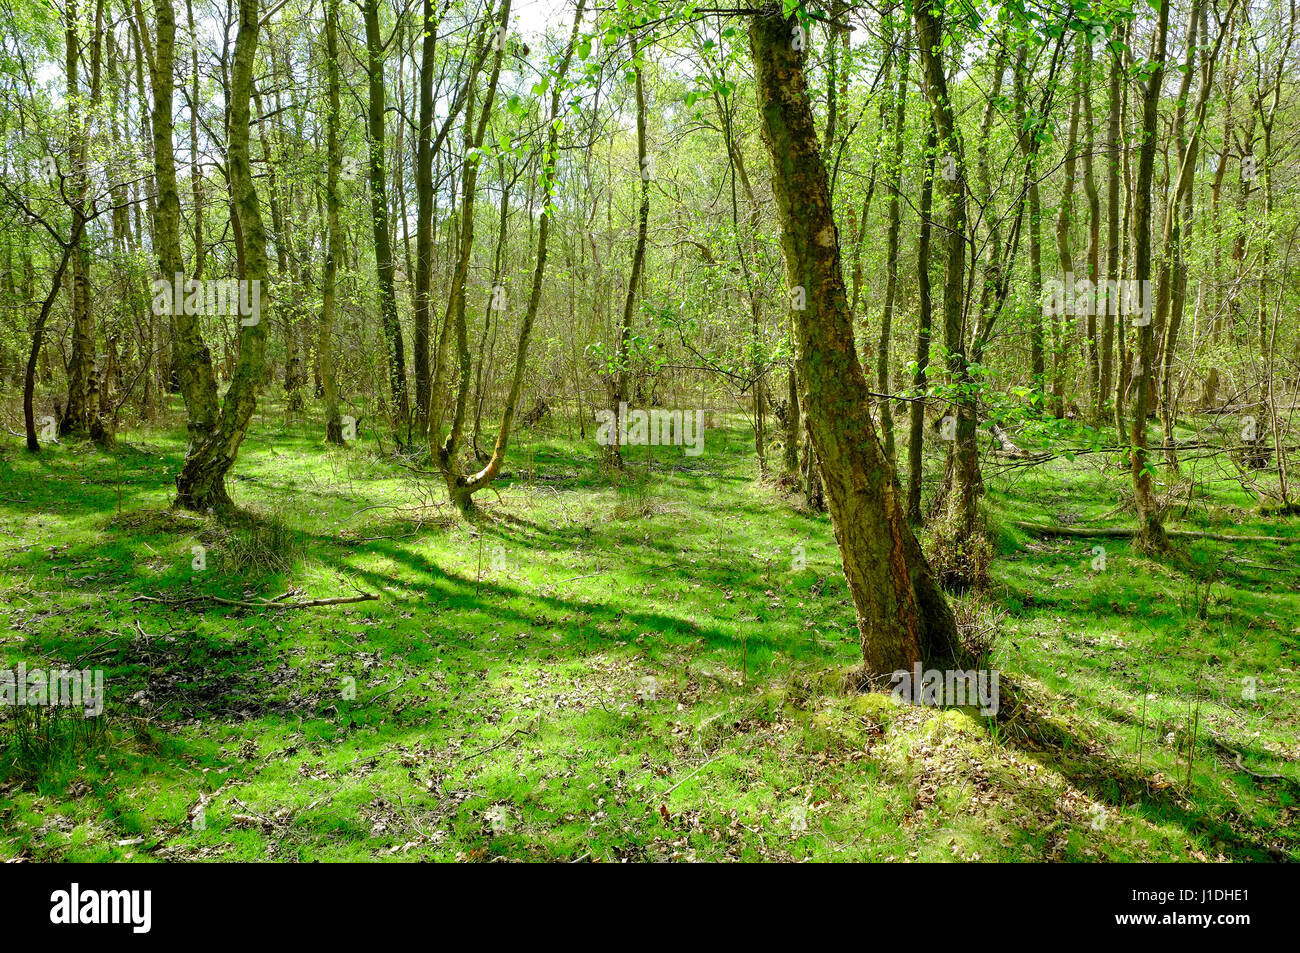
(264, 603)
(664, 794)
(1237, 755)
(1007, 445)
(1120, 532)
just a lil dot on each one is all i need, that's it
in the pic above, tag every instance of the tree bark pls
(1112, 231)
(893, 184)
(191, 362)
(618, 393)
(334, 241)
(446, 453)
(202, 481)
(399, 406)
(463, 488)
(903, 616)
(964, 495)
(82, 415)
(1151, 535)
(916, 434)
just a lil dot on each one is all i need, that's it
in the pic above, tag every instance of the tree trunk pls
(463, 488)
(1028, 147)
(334, 241)
(202, 481)
(1106, 305)
(619, 379)
(82, 415)
(447, 453)
(191, 361)
(903, 616)
(424, 218)
(1094, 229)
(964, 495)
(916, 435)
(1151, 534)
(893, 184)
(1064, 247)
(792, 422)
(399, 406)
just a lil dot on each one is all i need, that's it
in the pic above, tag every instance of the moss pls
(962, 720)
(877, 707)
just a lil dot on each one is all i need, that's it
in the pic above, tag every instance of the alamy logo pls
(1081, 296)
(952, 687)
(58, 687)
(656, 428)
(226, 296)
(134, 907)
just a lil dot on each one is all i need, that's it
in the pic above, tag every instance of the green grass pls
(620, 668)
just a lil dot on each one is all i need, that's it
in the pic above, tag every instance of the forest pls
(649, 431)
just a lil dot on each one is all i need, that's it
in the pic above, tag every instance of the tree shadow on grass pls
(1024, 718)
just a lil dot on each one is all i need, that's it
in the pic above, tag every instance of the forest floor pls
(620, 668)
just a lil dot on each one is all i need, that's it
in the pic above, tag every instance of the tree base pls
(201, 495)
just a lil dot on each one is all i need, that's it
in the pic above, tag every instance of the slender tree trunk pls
(1064, 247)
(903, 616)
(334, 241)
(447, 455)
(82, 415)
(191, 361)
(916, 436)
(399, 408)
(1028, 147)
(1094, 230)
(201, 482)
(644, 163)
(963, 500)
(463, 488)
(1179, 218)
(792, 422)
(196, 178)
(38, 335)
(1150, 535)
(424, 217)
(1106, 304)
(894, 184)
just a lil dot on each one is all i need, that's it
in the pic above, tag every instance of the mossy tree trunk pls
(191, 360)
(1114, 107)
(334, 240)
(202, 480)
(399, 406)
(966, 481)
(618, 391)
(1151, 534)
(893, 183)
(903, 616)
(82, 415)
(916, 429)
(446, 453)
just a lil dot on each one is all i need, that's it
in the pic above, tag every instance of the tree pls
(903, 616)
(201, 482)
(445, 452)
(966, 484)
(82, 414)
(334, 234)
(461, 487)
(376, 51)
(1151, 535)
